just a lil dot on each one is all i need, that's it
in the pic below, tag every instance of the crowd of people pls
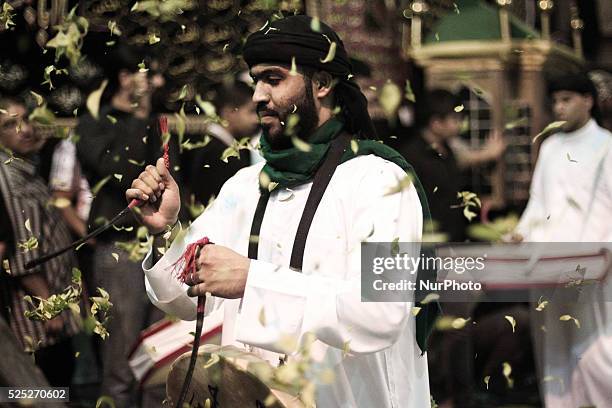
(313, 286)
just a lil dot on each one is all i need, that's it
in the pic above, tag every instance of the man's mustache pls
(264, 111)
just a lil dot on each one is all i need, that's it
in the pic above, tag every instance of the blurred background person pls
(113, 149)
(207, 172)
(30, 228)
(570, 201)
(439, 165)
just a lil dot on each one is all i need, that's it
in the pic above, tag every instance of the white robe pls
(384, 367)
(571, 201)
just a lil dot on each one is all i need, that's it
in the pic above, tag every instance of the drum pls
(229, 378)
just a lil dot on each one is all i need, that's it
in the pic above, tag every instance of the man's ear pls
(590, 101)
(324, 84)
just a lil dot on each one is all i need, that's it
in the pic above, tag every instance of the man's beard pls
(304, 107)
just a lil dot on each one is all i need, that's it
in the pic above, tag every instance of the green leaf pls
(98, 186)
(409, 93)
(42, 115)
(331, 53)
(6, 16)
(300, 144)
(551, 128)
(93, 100)
(39, 99)
(400, 186)
(183, 93)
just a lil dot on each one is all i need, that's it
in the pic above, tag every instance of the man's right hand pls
(156, 188)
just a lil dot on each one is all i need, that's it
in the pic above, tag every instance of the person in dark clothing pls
(207, 172)
(435, 162)
(113, 149)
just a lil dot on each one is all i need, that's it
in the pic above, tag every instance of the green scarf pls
(293, 166)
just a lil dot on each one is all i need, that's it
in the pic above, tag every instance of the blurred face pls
(136, 84)
(279, 94)
(16, 133)
(448, 126)
(572, 107)
(243, 120)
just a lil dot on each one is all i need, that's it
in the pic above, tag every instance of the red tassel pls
(163, 128)
(186, 266)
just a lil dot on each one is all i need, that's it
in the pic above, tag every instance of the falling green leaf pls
(69, 38)
(153, 39)
(566, 318)
(27, 225)
(42, 115)
(507, 370)
(293, 70)
(550, 129)
(408, 93)
(105, 399)
(486, 381)
(142, 67)
(459, 323)
(570, 159)
(431, 297)
(331, 53)
(183, 93)
(541, 304)
(300, 144)
(402, 184)
(93, 100)
(315, 25)
(39, 99)
(31, 243)
(512, 322)
(354, 146)
(111, 119)
(98, 186)
(113, 28)
(7, 15)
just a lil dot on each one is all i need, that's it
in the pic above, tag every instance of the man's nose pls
(26, 128)
(260, 94)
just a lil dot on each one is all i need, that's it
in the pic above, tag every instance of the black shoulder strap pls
(320, 182)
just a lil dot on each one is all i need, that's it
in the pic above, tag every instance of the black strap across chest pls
(319, 185)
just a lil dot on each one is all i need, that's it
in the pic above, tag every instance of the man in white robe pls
(371, 347)
(571, 201)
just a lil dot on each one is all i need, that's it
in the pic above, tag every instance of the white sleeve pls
(296, 303)
(165, 291)
(63, 162)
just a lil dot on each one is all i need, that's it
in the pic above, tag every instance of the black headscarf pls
(579, 83)
(293, 37)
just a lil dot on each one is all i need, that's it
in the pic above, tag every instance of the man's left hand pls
(220, 271)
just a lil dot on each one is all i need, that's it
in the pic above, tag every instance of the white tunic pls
(384, 367)
(571, 201)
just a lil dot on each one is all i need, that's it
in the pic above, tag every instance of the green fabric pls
(292, 167)
(475, 21)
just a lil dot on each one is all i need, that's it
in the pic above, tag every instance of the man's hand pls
(495, 145)
(221, 271)
(160, 194)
